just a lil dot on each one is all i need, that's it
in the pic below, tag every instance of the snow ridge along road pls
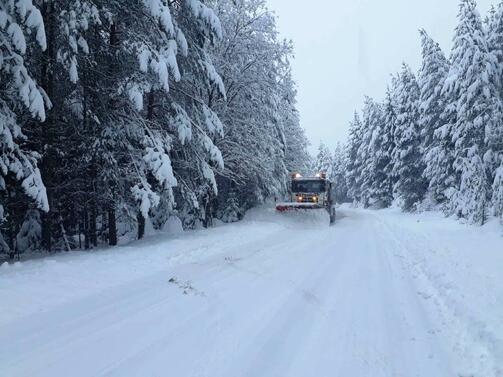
(378, 294)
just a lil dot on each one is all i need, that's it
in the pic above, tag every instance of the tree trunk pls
(150, 105)
(208, 211)
(87, 244)
(46, 129)
(92, 225)
(63, 234)
(141, 225)
(150, 116)
(11, 242)
(80, 234)
(46, 231)
(112, 227)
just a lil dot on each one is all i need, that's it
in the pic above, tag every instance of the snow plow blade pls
(284, 207)
(305, 208)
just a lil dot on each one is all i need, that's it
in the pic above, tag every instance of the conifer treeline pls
(116, 115)
(437, 138)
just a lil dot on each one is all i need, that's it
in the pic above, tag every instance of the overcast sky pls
(345, 49)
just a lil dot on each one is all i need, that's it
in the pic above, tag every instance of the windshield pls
(315, 186)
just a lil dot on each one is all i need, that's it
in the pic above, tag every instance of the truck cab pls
(315, 190)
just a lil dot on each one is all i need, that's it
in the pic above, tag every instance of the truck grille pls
(307, 199)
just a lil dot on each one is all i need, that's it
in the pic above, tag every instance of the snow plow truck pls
(309, 193)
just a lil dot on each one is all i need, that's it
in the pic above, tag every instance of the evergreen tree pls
(472, 93)
(30, 234)
(470, 200)
(231, 212)
(297, 158)
(354, 165)
(22, 101)
(431, 78)
(388, 140)
(410, 186)
(370, 155)
(338, 174)
(263, 138)
(323, 161)
(436, 149)
(494, 132)
(379, 161)
(497, 198)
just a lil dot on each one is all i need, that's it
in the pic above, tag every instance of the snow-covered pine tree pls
(109, 135)
(410, 186)
(30, 234)
(263, 138)
(134, 116)
(354, 168)
(388, 143)
(478, 108)
(69, 144)
(497, 198)
(431, 78)
(379, 159)
(436, 149)
(324, 161)
(338, 173)
(21, 31)
(363, 170)
(189, 109)
(494, 132)
(297, 158)
(471, 198)
(231, 211)
(371, 123)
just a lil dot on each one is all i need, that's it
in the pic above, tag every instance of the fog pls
(345, 49)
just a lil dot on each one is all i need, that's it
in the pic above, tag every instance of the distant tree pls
(338, 174)
(369, 153)
(390, 108)
(354, 167)
(379, 158)
(324, 161)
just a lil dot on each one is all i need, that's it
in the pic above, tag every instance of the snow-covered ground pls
(378, 294)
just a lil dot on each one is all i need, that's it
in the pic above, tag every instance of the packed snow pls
(380, 293)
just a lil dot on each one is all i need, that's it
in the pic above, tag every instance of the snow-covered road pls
(378, 294)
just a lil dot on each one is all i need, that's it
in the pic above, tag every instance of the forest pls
(114, 118)
(435, 141)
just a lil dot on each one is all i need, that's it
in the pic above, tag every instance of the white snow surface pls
(380, 293)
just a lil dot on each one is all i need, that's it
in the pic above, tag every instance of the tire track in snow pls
(281, 337)
(295, 302)
(211, 274)
(475, 351)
